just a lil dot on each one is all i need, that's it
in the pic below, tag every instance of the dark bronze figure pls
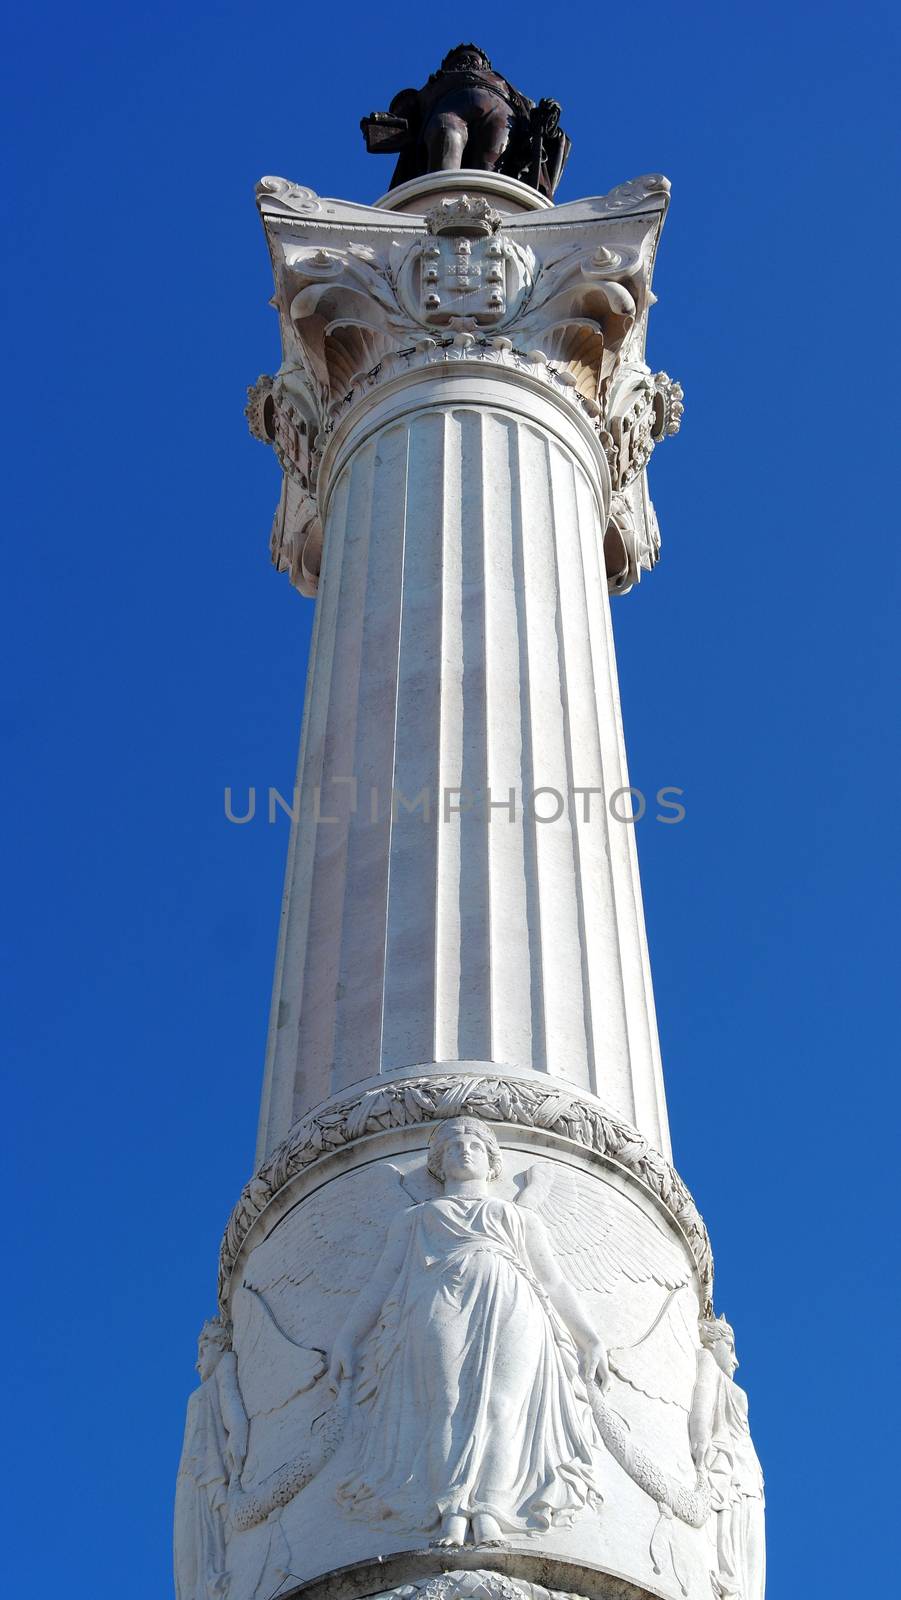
(467, 115)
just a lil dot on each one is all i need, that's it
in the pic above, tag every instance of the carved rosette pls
(365, 296)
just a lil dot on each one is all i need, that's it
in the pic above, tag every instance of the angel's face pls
(465, 1156)
(207, 1359)
(725, 1357)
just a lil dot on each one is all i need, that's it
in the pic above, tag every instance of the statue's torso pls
(466, 94)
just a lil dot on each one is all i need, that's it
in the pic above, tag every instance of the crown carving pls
(259, 409)
(464, 215)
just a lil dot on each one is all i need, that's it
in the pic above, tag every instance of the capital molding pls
(366, 294)
(463, 372)
(508, 192)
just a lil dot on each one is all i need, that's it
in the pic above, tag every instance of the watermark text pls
(543, 805)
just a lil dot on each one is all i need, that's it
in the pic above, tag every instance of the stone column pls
(465, 1342)
(463, 895)
(458, 892)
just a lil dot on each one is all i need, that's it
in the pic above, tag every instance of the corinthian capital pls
(369, 296)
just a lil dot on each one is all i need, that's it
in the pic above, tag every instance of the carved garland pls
(494, 350)
(410, 1102)
(474, 1585)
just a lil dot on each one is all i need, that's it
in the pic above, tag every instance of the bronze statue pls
(467, 115)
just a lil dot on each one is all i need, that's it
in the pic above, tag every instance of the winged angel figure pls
(471, 1359)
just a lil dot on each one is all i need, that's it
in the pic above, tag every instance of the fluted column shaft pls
(462, 667)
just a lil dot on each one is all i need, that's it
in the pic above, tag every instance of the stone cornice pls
(501, 187)
(418, 1101)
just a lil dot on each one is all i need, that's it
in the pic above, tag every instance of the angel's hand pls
(342, 1363)
(594, 1364)
(237, 1449)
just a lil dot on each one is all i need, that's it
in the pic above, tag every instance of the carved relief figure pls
(721, 1447)
(477, 1371)
(467, 115)
(468, 1376)
(212, 1457)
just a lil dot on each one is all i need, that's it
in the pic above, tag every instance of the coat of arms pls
(466, 268)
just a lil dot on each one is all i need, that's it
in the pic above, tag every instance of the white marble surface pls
(463, 649)
(456, 1347)
(383, 1330)
(465, 1317)
(457, 887)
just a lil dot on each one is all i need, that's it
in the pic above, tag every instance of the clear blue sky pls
(154, 656)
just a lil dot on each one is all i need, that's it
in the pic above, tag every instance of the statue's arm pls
(407, 103)
(369, 1301)
(703, 1400)
(233, 1413)
(566, 1301)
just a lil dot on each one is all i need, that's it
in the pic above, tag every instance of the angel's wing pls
(300, 1283)
(663, 1362)
(600, 1236)
(418, 1183)
(272, 1368)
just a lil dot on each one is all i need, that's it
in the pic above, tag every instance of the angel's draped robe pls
(200, 1499)
(736, 1483)
(470, 1383)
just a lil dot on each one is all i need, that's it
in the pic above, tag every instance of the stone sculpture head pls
(717, 1337)
(211, 1346)
(464, 1148)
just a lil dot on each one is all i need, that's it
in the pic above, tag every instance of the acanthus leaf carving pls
(651, 189)
(632, 539)
(282, 415)
(642, 408)
(365, 296)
